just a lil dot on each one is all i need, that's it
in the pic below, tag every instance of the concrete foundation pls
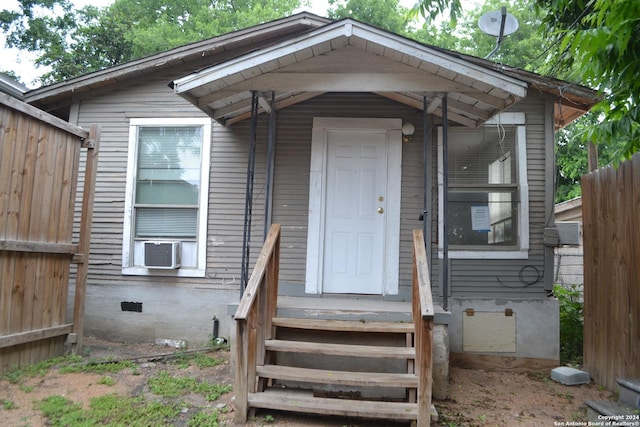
(517, 328)
(168, 312)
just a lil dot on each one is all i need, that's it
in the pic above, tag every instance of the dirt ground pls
(478, 398)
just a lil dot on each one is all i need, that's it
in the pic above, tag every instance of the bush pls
(571, 323)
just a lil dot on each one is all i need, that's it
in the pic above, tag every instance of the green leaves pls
(601, 38)
(73, 42)
(385, 14)
(431, 9)
(521, 49)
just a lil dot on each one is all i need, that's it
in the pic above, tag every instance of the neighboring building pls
(569, 264)
(365, 119)
(12, 87)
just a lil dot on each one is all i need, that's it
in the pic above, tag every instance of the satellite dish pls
(491, 22)
(498, 23)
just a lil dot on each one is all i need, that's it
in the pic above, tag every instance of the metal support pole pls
(426, 207)
(445, 204)
(270, 167)
(248, 204)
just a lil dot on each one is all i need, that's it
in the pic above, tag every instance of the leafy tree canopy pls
(385, 14)
(590, 41)
(72, 42)
(596, 42)
(521, 49)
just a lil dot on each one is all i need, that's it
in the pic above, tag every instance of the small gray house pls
(349, 137)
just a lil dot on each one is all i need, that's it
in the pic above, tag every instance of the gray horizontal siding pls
(291, 190)
(293, 152)
(514, 278)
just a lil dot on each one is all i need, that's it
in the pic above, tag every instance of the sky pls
(22, 62)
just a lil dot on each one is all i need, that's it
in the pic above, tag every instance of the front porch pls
(357, 357)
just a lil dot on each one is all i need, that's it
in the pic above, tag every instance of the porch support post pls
(248, 203)
(268, 203)
(426, 207)
(445, 204)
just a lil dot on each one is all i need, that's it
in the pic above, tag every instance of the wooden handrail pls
(253, 320)
(423, 313)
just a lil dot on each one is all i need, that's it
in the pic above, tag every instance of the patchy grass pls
(166, 385)
(109, 409)
(97, 367)
(65, 365)
(7, 404)
(166, 395)
(107, 380)
(39, 369)
(201, 360)
(204, 419)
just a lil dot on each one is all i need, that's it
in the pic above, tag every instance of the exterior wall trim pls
(127, 246)
(315, 245)
(518, 119)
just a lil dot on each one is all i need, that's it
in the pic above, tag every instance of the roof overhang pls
(199, 54)
(349, 56)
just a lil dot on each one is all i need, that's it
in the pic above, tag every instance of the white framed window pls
(167, 194)
(488, 193)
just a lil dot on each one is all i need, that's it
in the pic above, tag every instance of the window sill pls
(180, 272)
(479, 254)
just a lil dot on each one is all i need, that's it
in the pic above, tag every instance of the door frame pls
(317, 197)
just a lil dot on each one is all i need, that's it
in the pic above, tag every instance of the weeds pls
(118, 410)
(201, 360)
(538, 376)
(568, 396)
(167, 386)
(66, 364)
(107, 380)
(96, 367)
(26, 388)
(39, 369)
(108, 409)
(202, 419)
(571, 324)
(7, 404)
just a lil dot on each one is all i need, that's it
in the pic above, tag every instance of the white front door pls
(354, 206)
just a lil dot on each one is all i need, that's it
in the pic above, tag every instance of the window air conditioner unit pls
(165, 255)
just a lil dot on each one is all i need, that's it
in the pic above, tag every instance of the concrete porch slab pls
(352, 308)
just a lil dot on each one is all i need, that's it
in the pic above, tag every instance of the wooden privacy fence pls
(611, 220)
(39, 162)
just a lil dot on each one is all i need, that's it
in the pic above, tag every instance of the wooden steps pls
(297, 401)
(349, 362)
(340, 349)
(343, 325)
(323, 376)
(307, 357)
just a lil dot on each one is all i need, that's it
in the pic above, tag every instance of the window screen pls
(167, 181)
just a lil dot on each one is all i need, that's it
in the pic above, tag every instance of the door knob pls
(380, 210)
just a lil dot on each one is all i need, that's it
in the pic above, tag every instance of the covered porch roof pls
(350, 56)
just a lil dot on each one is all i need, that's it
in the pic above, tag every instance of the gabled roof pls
(304, 55)
(350, 56)
(183, 60)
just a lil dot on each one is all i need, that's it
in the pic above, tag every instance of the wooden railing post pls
(422, 307)
(254, 320)
(88, 195)
(241, 345)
